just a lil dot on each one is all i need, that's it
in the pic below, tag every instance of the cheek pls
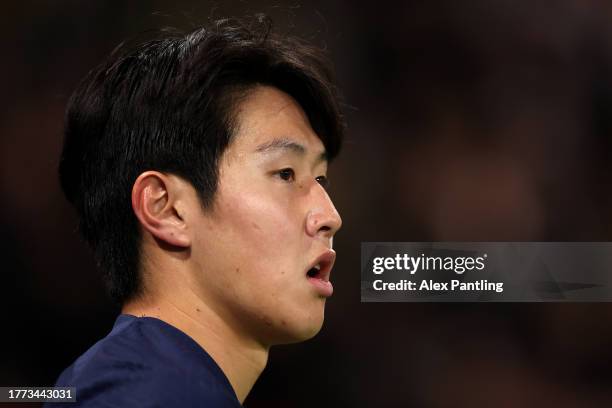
(260, 222)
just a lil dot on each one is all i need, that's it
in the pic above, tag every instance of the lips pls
(319, 271)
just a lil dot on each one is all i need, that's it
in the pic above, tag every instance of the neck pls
(241, 359)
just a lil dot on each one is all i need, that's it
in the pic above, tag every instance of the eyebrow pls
(287, 144)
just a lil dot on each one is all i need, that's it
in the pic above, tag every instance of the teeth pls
(314, 271)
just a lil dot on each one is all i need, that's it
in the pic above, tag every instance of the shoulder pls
(145, 362)
(163, 389)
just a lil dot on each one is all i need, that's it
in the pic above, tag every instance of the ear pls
(156, 200)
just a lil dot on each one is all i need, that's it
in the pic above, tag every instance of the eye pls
(323, 181)
(287, 174)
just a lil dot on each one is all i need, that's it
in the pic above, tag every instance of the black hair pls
(168, 104)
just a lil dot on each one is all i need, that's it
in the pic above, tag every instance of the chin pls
(298, 331)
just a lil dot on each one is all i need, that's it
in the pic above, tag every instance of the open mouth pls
(321, 267)
(314, 271)
(319, 271)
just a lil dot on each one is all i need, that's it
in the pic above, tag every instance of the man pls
(197, 164)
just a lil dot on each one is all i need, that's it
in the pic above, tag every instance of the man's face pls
(272, 222)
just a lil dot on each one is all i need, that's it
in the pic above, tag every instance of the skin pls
(233, 277)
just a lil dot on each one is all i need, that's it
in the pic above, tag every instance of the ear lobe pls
(154, 198)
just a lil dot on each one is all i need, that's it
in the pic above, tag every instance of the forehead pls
(268, 114)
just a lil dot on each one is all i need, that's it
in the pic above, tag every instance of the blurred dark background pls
(486, 120)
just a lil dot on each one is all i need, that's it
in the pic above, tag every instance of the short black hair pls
(168, 104)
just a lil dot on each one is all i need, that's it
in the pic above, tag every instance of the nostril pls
(325, 228)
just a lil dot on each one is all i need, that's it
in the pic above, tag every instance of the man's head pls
(211, 148)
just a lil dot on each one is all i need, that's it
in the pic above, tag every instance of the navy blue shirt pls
(145, 362)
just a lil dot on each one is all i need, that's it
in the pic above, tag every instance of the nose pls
(322, 217)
